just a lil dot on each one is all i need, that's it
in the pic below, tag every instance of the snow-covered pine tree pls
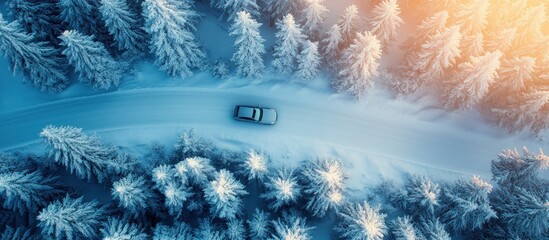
(198, 170)
(501, 40)
(289, 38)
(255, 166)
(472, 17)
(331, 44)
(324, 183)
(385, 20)
(472, 46)
(119, 229)
(179, 230)
(361, 221)
(291, 226)
(224, 194)
(37, 61)
(83, 16)
(418, 197)
(358, 64)
(81, 154)
(248, 56)
(465, 205)
(433, 229)
(529, 25)
(175, 196)
(282, 189)
(403, 229)
(170, 24)
(189, 144)
(308, 61)
(236, 229)
(123, 25)
(71, 219)
(26, 192)
(515, 74)
(427, 28)
(19, 233)
(348, 24)
(220, 70)
(38, 17)
(258, 224)
(12, 163)
(513, 170)
(471, 81)
(91, 60)
(133, 194)
(277, 9)
(313, 16)
(231, 8)
(208, 230)
(162, 175)
(529, 110)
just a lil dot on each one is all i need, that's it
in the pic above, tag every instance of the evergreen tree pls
(71, 219)
(118, 229)
(404, 229)
(82, 16)
(19, 233)
(90, 58)
(259, 225)
(26, 192)
(236, 229)
(501, 40)
(249, 46)
(291, 226)
(231, 8)
(81, 154)
(385, 20)
(162, 175)
(472, 17)
(199, 170)
(38, 17)
(37, 61)
(472, 81)
(282, 189)
(427, 28)
(280, 8)
(433, 229)
(360, 221)
(179, 230)
(220, 70)
(209, 231)
(529, 110)
(313, 16)
(529, 25)
(511, 169)
(175, 196)
(419, 196)
(331, 44)
(465, 205)
(324, 183)
(308, 61)
(123, 25)
(133, 194)
(224, 194)
(289, 38)
(189, 144)
(12, 163)
(348, 24)
(170, 24)
(472, 46)
(255, 165)
(359, 63)
(515, 73)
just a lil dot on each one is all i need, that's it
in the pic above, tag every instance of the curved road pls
(384, 135)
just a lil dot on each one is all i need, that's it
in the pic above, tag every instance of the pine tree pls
(289, 38)
(162, 175)
(179, 230)
(207, 230)
(515, 73)
(359, 63)
(324, 183)
(118, 229)
(427, 28)
(26, 192)
(313, 16)
(282, 189)
(529, 110)
(133, 194)
(81, 154)
(12, 163)
(501, 40)
(224, 194)
(361, 221)
(529, 25)
(231, 8)
(465, 205)
(511, 169)
(124, 26)
(71, 219)
(255, 165)
(404, 229)
(472, 17)
(250, 49)
(433, 229)
(331, 44)
(472, 81)
(175, 196)
(308, 61)
(259, 225)
(19, 233)
(37, 61)
(472, 46)
(236, 229)
(82, 16)
(38, 17)
(220, 70)
(189, 144)
(385, 20)
(419, 197)
(170, 24)
(280, 8)
(348, 24)
(90, 58)
(291, 226)
(199, 170)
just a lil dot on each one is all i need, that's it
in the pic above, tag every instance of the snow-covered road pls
(384, 136)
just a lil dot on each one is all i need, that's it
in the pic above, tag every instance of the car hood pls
(269, 116)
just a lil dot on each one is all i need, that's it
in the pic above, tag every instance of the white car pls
(260, 115)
